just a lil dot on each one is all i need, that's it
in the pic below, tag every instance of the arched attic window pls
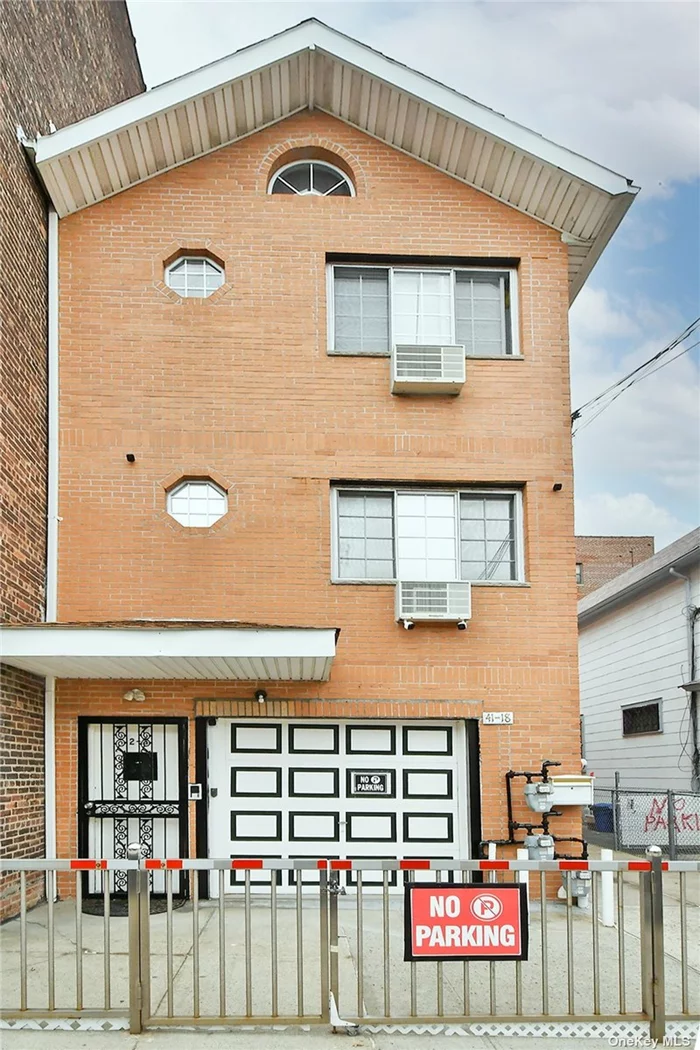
(311, 178)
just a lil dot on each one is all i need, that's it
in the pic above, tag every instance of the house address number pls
(497, 718)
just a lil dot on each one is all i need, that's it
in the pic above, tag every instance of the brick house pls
(281, 499)
(61, 63)
(602, 558)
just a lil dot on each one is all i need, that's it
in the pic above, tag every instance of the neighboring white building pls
(639, 637)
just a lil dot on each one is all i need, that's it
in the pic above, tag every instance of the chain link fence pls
(632, 819)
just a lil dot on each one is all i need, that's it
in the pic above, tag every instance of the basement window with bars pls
(642, 718)
(395, 534)
(193, 276)
(374, 307)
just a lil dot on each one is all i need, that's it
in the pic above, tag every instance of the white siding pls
(635, 653)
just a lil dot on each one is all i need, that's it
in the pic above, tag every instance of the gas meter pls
(539, 797)
(539, 847)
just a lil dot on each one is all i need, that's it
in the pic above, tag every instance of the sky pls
(618, 82)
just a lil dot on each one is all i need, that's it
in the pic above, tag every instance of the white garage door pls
(336, 789)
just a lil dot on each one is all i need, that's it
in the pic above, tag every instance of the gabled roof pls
(311, 66)
(682, 554)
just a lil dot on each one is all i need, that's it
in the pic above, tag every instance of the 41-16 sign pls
(462, 922)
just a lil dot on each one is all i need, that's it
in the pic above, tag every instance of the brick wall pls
(22, 774)
(242, 385)
(602, 558)
(61, 62)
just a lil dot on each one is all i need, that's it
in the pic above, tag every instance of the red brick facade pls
(62, 62)
(602, 558)
(242, 385)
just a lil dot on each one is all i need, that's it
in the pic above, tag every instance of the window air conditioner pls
(418, 600)
(427, 369)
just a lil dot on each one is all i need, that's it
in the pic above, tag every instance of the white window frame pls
(511, 271)
(515, 493)
(176, 489)
(194, 258)
(296, 163)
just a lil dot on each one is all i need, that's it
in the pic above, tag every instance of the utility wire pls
(636, 375)
(659, 366)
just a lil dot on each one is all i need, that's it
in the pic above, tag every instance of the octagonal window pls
(193, 276)
(197, 504)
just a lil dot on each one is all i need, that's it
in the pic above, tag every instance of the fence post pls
(652, 945)
(324, 947)
(133, 885)
(333, 892)
(607, 892)
(671, 810)
(616, 812)
(657, 1028)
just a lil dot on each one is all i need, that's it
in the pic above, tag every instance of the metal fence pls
(632, 819)
(331, 949)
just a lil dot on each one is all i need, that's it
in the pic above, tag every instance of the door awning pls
(179, 650)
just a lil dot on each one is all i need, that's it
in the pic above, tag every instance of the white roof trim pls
(142, 653)
(638, 579)
(313, 66)
(310, 35)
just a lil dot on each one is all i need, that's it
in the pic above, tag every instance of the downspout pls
(691, 613)
(51, 533)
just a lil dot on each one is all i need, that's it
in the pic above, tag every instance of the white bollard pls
(607, 892)
(524, 876)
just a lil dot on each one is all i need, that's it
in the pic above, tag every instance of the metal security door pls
(132, 788)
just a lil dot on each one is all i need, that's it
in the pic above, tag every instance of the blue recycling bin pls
(603, 816)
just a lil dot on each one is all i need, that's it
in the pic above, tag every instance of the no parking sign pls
(462, 922)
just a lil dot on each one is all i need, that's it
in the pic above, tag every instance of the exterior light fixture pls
(134, 696)
(260, 696)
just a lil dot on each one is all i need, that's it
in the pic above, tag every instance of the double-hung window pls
(408, 534)
(376, 307)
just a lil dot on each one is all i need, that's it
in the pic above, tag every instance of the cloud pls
(646, 442)
(596, 313)
(617, 82)
(632, 514)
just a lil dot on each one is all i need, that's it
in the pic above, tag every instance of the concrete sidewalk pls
(299, 1039)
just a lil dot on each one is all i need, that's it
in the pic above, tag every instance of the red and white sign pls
(458, 921)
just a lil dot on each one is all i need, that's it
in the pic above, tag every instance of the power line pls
(615, 396)
(636, 375)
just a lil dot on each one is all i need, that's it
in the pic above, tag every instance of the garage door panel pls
(428, 827)
(256, 782)
(314, 783)
(418, 740)
(314, 826)
(314, 740)
(256, 825)
(370, 827)
(427, 783)
(370, 740)
(254, 739)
